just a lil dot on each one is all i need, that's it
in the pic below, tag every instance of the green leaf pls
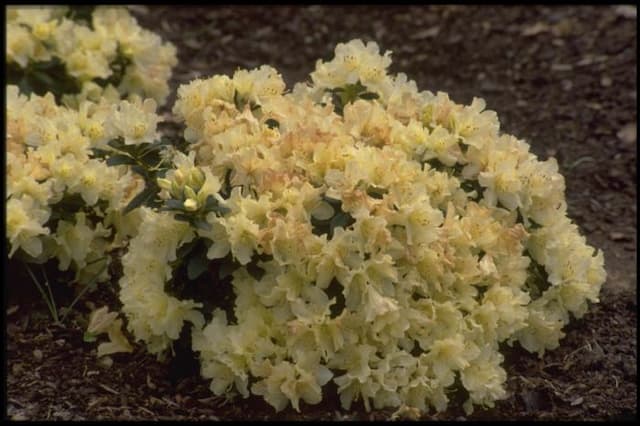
(222, 210)
(88, 337)
(182, 217)
(201, 224)
(117, 143)
(100, 153)
(25, 87)
(341, 219)
(369, 96)
(174, 204)
(534, 225)
(197, 266)
(54, 62)
(185, 249)
(471, 186)
(272, 123)
(237, 101)
(338, 104)
(44, 79)
(211, 203)
(81, 13)
(137, 168)
(143, 197)
(332, 201)
(120, 159)
(335, 291)
(254, 270)
(226, 269)
(118, 68)
(225, 191)
(537, 278)
(376, 192)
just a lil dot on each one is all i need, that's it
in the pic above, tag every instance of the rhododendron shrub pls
(79, 52)
(352, 230)
(78, 154)
(64, 201)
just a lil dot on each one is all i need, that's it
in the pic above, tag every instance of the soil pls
(562, 78)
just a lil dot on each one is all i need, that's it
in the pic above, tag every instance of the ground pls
(561, 78)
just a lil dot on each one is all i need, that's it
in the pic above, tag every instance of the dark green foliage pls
(340, 218)
(532, 226)
(341, 96)
(454, 170)
(144, 159)
(197, 218)
(42, 77)
(197, 264)
(272, 123)
(240, 102)
(81, 13)
(376, 192)
(469, 186)
(69, 205)
(210, 286)
(335, 290)
(537, 278)
(118, 67)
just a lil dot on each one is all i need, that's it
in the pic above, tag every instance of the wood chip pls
(147, 411)
(16, 369)
(537, 28)
(627, 11)
(20, 416)
(108, 389)
(95, 401)
(628, 134)
(424, 34)
(618, 236)
(170, 402)
(561, 67)
(105, 362)
(18, 403)
(150, 384)
(193, 43)
(577, 401)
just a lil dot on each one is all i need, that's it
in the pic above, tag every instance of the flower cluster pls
(62, 201)
(105, 50)
(375, 236)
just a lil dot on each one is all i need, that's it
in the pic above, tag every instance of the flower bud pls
(202, 198)
(179, 177)
(164, 184)
(176, 190)
(196, 178)
(190, 204)
(190, 193)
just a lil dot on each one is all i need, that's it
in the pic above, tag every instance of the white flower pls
(25, 220)
(134, 121)
(353, 62)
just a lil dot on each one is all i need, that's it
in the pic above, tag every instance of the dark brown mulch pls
(53, 374)
(562, 78)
